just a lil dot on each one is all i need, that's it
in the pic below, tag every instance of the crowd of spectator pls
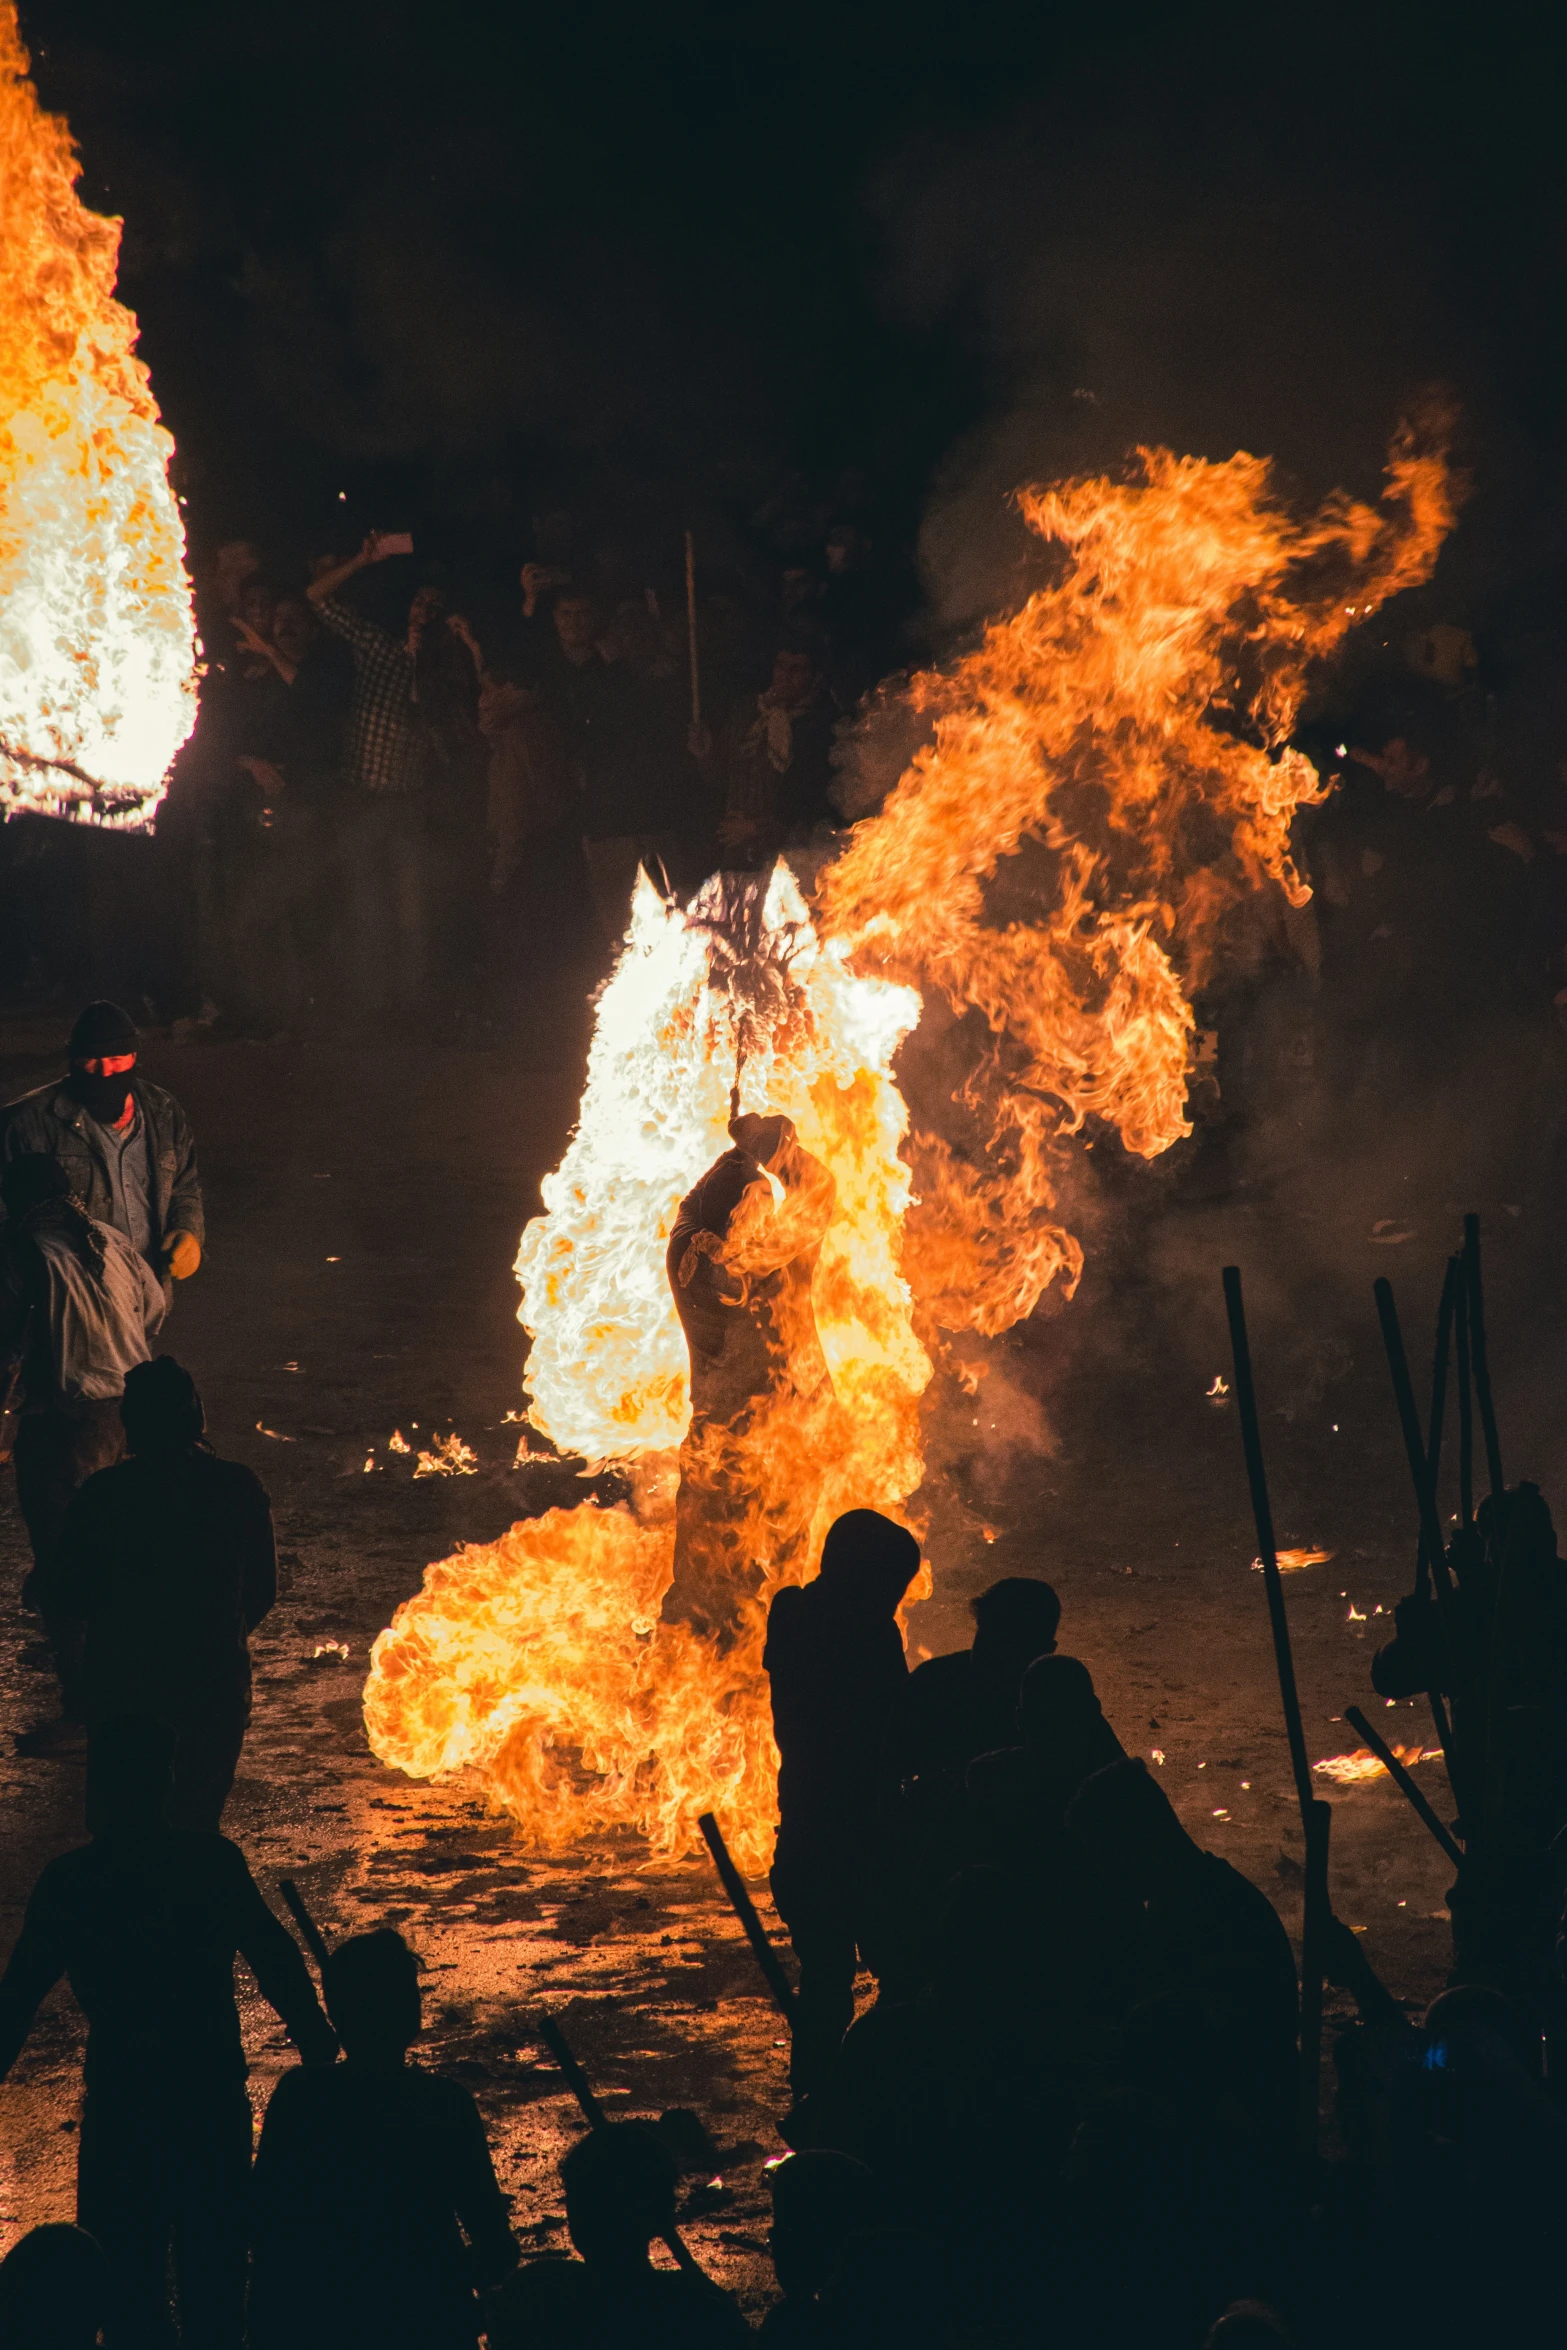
(394, 812)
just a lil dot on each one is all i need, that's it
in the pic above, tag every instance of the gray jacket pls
(50, 1120)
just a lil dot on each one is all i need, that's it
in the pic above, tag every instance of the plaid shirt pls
(386, 741)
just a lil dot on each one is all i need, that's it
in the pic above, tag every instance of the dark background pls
(454, 266)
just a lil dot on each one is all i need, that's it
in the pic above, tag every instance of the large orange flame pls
(1131, 722)
(97, 639)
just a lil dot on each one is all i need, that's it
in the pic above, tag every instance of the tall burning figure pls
(741, 1262)
(1131, 725)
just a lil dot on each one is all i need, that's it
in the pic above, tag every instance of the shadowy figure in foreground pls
(168, 1561)
(1009, 1810)
(822, 2201)
(1206, 1934)
(55, 2292)
(620, 2195)
(78, 1307)
(834, 1656)
(958, 1706)
(146, 1920)
(376, 2213)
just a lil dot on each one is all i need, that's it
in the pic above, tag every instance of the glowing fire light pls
(1124, 738)
(1353, 1770)
(97, 640)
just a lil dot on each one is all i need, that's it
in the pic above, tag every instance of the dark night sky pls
(465, 260)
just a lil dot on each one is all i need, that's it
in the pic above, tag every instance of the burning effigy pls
(1130, 729)
(97, 634)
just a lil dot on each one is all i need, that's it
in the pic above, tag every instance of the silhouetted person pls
(1207, 1933)
(740, 1265)
(376, 2213)
(146, 1921)
(821, 2201)
(834, 1657)
(55, 2291)
(78, 1308)
(1009, 1809)
(169, 1562)
(620, 2195)
(958, 1706)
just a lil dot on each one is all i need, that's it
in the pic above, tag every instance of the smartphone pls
(395, 542)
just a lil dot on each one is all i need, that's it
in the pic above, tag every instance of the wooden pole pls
(696, 675)
(1405, 1784)
(1415, 1452)
(314, 1940)
(1439, 1362)
(744, 1908)
(1482, 1373)
(1466, 1429)
(1315, 1816)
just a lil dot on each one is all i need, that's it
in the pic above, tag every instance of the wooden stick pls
(1314, 1814)
(1405, 1784)
(596, 2118)
(1415, 1452)
(1482, 1373)
(1439, 1360)
(315, 1941)
(1466, 1428)
(696, 676)
(1262, 1513)
(744, 1908)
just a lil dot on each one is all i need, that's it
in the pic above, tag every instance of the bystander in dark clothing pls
(168, 1562)
(147, 1921)
(78, 1310)
(620, 2195)
(377, 2218)
(126, 1146)
(1207, 1936)
(959, 1706)
(55, 2291)
(388, 766)
(1009, 1809)
(778, 762)
(834, 1658)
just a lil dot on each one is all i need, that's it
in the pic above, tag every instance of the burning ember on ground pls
(97, 637)
(1353, 1770)
(1107, 782)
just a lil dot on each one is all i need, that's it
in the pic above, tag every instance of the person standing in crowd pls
(388, 745)
(125, 1145)
(146, 1920)
(78, 1309)
(376, 2214)
(167, 1563)
(966, 1704)
(779, 766)
(834, 1658)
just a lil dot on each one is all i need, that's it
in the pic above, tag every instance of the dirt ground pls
(364, 1212)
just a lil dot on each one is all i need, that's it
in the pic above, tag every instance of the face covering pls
(103, 1098)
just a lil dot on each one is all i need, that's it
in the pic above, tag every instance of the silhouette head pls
(620, 2193)
(161, 1408)
(55, 2291)
(1249, 2325)
(820, 2200)
(1126, 1823)
(130, 1774)
(1014, 1621)
(1057, 1701)
(868, 1563)
(30, 1181)
(371, 1984)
